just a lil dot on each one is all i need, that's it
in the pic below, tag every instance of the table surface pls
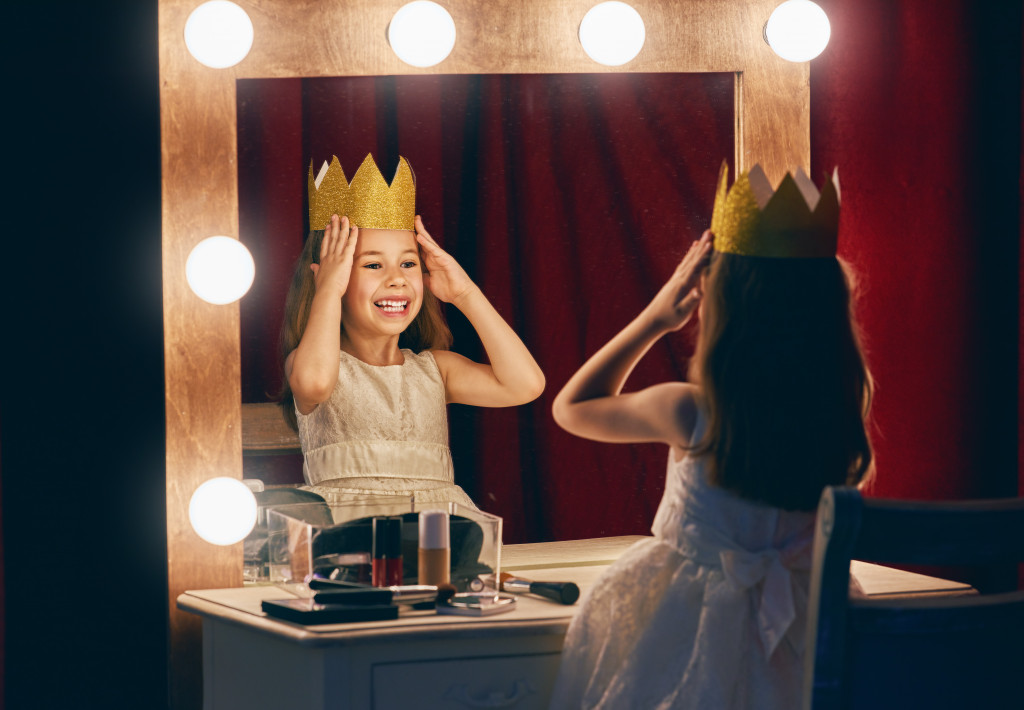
(579, 561)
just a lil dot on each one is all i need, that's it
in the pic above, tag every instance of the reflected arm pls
(513, 377)
(312, 368)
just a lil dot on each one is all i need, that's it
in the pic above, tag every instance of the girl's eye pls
(371, 265)
(409, 264)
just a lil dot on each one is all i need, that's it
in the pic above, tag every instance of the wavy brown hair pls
(783, 378)
(428, 330)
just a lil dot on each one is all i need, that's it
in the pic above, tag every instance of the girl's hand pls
(336, 251)
(678, 298)
(441, 274)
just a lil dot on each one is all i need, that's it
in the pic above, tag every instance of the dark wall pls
(82, 395)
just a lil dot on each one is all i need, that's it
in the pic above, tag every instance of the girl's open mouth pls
(393, 307)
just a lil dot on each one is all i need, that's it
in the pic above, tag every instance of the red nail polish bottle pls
(387, 551)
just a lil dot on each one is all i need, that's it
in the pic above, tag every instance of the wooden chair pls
(265, 433)
(270, 448)
(923, 652)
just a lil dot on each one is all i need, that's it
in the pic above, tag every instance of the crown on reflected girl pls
(368, 201)
(795, 221)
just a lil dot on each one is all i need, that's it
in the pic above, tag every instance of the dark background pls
(918, 102)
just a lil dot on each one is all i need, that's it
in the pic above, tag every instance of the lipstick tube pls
(387, 552)
(435, 555)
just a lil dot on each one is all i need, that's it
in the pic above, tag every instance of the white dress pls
(708, 614)
(382, 432)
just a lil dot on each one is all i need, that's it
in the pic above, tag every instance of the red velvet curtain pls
(568, 198)
(918, 103)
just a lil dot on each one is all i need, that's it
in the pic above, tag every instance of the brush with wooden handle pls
(561, 592)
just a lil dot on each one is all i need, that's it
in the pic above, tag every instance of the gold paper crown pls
(794, 221)
(368, 201)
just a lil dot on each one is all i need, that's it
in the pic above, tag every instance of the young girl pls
(367, 365)
(710, 613)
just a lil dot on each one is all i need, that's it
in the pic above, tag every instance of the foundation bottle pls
(434, 548)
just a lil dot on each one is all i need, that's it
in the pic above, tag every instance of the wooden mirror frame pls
(307, 38)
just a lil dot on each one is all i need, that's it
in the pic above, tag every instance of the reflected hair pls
(783, 379)
(428, 330)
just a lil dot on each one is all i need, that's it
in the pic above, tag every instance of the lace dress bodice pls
(383, 431)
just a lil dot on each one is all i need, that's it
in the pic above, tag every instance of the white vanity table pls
(422, 660)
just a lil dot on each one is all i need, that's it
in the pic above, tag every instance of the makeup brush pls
(403, 594)
(561, 592)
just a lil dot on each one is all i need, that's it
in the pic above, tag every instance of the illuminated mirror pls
(568, 197)
(198, 127)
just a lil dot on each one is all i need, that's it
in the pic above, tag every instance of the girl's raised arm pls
(513, 376)
(312, 367)
(591, 404)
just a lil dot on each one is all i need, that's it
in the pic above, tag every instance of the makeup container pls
(387, 551)
(435, 555)
(352, 567)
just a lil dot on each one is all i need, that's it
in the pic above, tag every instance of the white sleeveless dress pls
(382, 432)
(709, 614)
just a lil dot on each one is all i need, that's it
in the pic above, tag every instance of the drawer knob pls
(494, 699)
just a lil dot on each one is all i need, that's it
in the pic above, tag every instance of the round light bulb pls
(220, 270)
(422, 33)
(797, 30)
(222, 511)
(218, 34)
(612, 33)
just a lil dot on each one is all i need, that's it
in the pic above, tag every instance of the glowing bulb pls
(612, 33)
(220, 270)
(422, 33)
(218, 34)
(797, 30)
(222, 511)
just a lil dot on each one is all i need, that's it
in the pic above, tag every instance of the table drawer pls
(521, 682)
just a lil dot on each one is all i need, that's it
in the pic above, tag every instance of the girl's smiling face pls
(385, 291)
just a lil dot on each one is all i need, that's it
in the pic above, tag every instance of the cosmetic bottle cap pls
(387, 538)
(434, 530)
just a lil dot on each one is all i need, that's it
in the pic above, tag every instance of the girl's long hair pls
(783, 379)
(428, 331)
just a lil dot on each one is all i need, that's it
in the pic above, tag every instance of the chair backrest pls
(270, 448)
(939, 652)
(265, 432)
